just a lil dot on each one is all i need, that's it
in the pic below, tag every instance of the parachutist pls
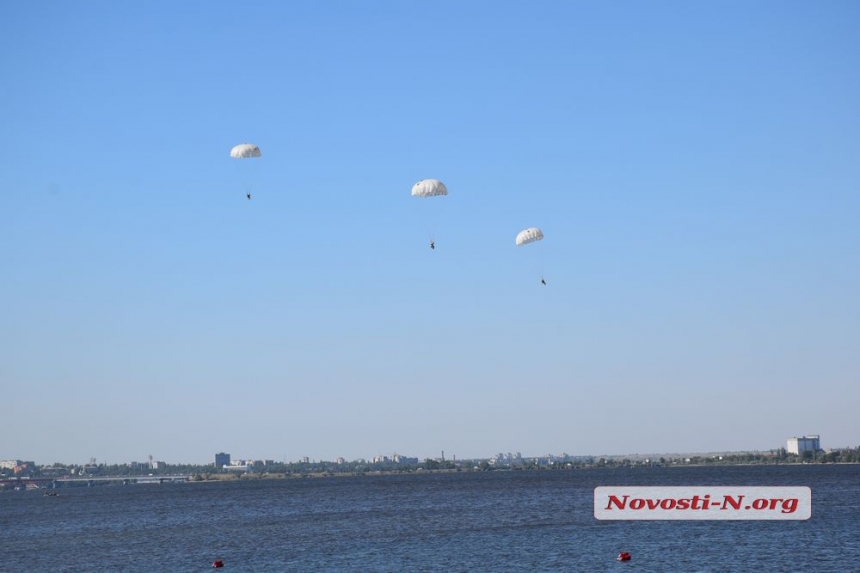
(248, 195)
(543, 282)
(429, 188)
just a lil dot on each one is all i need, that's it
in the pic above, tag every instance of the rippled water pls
(491, 521)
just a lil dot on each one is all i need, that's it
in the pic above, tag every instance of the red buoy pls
(624, 556)
(217, 564)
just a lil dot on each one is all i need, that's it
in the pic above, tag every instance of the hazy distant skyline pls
(693, 166)
(448, 456)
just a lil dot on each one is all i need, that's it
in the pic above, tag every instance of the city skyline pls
(795, 445)
(692, 169)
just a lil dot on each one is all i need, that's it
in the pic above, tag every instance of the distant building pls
(803, 444)
(10, 464)
(221, 460)
(240, 466)
(394, 459)
(23, 467)
(506, 460)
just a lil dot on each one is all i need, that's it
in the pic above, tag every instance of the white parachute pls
(245, 172)
(245, 151)
(532, 235)
(429, 188)
(529, 235)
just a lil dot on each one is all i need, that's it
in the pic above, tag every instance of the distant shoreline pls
(209, 478)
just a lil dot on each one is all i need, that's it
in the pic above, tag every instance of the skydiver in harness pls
(248, 195)
(542, 281)
(433, 245)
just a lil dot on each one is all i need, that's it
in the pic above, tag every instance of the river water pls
(489, 521)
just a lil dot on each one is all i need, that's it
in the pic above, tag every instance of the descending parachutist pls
(245, 151)
(527, 236)
(429, 188)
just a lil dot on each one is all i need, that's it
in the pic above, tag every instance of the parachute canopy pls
(429, 188)
(530, 235)
(244, 151)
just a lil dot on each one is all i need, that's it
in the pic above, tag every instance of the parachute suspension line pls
(528, 236)
(542, 267)
(245, 152)
(243, 185)
(430, 189)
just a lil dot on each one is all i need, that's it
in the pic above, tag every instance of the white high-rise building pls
(803, 444)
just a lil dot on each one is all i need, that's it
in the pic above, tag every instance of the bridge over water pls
(41, 482)
(125, 479)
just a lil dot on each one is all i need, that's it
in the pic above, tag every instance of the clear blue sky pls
(695, 168)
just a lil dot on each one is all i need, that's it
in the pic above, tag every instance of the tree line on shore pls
(288, 469)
